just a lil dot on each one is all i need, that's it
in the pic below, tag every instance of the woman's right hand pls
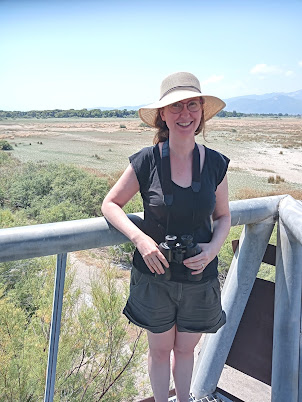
(153, 258)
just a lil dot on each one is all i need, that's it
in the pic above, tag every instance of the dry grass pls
(284, 132)
(252, 144)
(264, 170)
(247, 193)
(112, 178)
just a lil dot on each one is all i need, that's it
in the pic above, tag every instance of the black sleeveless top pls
(147, 167)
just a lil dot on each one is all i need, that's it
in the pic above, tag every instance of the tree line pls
(224, 113)
(98, 113)
(60, 113)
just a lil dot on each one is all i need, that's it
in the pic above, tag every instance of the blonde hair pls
(162, 133)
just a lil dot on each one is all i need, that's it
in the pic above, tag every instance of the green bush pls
(98, 358)
(99, 355)
(4, 158)
(57, 192)
(2, 196)
(9, 219)
(8, 168)
(142, 124)
(5, 146)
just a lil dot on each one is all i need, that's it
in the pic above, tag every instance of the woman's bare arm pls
(122, 192)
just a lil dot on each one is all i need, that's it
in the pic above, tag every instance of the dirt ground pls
(262, 146)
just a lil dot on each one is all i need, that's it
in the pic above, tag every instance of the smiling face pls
(182, 117)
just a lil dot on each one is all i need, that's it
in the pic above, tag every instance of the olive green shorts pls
(158, 305)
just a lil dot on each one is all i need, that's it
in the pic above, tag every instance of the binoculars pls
(177, 252)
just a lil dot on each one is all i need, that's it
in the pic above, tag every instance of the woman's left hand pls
(199, 262)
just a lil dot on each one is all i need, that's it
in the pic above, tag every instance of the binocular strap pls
(167, 185)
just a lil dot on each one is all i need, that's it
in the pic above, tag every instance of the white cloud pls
(289, 73)
(265, 69)
(213, 79)
(300, 63)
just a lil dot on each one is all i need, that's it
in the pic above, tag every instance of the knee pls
(183, 350)
(159, 353)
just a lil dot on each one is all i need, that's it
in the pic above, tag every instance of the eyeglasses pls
(192, 106)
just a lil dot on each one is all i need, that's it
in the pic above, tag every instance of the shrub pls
(5, 146)
(271, 179)
(98, 357)
(4, 159)
(2, 196)
(122, 126)
(275, 180)
(279, 179)
(9, 219)
(57, 192)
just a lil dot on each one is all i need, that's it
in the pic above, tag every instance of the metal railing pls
(259, 216)
(287, 356)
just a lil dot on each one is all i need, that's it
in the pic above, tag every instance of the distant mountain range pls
(276, 102)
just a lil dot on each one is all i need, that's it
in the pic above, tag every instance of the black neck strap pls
(167, 187)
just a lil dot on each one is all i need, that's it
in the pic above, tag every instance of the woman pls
(184, 191)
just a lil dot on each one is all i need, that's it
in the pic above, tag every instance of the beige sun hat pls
(177, 87)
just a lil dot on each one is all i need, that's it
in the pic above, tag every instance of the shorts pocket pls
(215, 284)
(209, 292)
(136, 277)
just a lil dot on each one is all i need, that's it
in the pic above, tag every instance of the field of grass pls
(82, 144)
(257, 147)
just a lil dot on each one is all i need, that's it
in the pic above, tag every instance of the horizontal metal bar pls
(62, 237)
(255, 210)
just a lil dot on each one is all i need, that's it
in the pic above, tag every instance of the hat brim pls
(211, 105)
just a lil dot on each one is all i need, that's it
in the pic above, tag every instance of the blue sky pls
(82, 54)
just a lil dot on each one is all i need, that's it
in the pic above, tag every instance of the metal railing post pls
(235, 294)
(287, 348)
(55, 327)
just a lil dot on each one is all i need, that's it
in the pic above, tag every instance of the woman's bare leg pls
(183, 361)
(160, 346)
